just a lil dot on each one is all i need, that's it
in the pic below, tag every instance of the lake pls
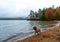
(10, 28)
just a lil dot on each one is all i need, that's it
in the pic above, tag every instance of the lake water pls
(9, 28)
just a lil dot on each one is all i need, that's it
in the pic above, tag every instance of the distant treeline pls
(50, 13)
(12, 18)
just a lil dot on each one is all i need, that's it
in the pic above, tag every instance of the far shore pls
(20, 18)
(50, 35)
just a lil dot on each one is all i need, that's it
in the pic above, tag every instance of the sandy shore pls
(50, 35)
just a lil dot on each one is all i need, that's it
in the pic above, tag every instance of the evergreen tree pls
(40, 13)
(31, 14)
(43, 15)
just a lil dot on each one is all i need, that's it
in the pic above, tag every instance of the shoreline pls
(48, 34)
(18, 37)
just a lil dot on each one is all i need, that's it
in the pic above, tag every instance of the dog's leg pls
(35, 33)
(39, 31)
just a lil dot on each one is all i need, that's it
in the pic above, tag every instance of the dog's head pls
(34, 28)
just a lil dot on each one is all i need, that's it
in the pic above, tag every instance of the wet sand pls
(50, 35)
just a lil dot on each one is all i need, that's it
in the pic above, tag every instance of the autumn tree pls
(58, 12)
(49, 14)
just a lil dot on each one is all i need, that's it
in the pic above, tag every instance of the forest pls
(50, 13)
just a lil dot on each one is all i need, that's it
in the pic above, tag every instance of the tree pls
(58, 12)
(31, 14)
(50, 14)
(36, 15)
(40, 13)
(43, 17)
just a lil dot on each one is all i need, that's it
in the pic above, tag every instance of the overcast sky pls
(19, 8)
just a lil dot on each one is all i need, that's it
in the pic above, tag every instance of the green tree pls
(36, 15)
(43, 17)
(40, 13)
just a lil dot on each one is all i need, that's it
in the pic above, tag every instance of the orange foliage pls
(49, 13)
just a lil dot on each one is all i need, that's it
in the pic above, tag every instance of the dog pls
(37, 30)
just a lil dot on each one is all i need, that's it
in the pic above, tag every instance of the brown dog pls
(37, 30)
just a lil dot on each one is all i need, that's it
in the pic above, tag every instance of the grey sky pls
(19, 8)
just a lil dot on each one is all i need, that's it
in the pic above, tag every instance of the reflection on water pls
(9, 28)
(42, 23)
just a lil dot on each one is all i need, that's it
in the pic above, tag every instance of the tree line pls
(46, 14)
